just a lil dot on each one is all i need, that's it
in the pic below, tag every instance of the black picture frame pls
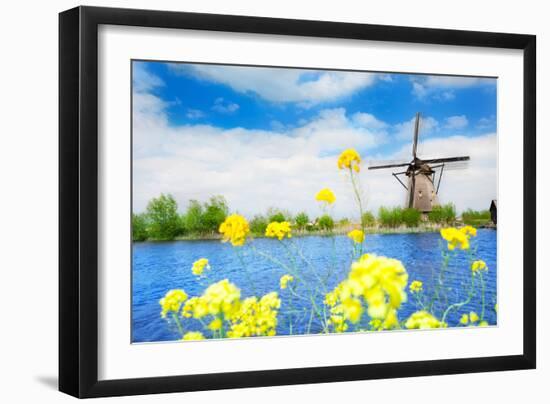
(78, 200)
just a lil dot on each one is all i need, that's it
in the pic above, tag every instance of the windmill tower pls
(421, 176)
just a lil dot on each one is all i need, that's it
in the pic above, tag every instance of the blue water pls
(161, 266)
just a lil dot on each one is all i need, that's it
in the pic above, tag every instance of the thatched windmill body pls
(422, 176)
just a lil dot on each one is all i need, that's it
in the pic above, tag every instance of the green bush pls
(410, 217)
(368, 219)
(214, 213)
(476, 217)
(193, 217)
(344, 222)
(258, 224)
(162, 214)
(301, 219)
(390, 217)
(443, 214)
(139, 227)
(326, 223)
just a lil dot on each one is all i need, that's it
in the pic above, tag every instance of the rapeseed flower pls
(416, 286)
(172, 301)
(457, 237)
(422, 319)
(255, 317)
(357, 236)
(222, 297)
(379, 281)
(479, 265)
(349, 158)
(285, 279)
(473, 317)
(279, 230)
(199, 265)
(326, 195)
(234, 229)
(464, 319)
(193, 336)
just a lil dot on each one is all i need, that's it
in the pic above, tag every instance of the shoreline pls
(342, 231)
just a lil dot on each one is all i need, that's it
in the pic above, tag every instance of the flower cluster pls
(357, 236)
(255, 317)
(349, 158)
(326, 195)
(416, 286)
(234, 229)
(285, 279)
(278, 229)
(172, 301)
(479, 265)
(199, 265)
(379, 281)
(193, 336)
(458, 237)
(423, 319)
(219, 299)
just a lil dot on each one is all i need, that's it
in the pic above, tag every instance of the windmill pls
(421, 189)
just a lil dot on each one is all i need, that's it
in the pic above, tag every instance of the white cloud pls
(442, 87)
(284, 85)
(142, 80)
(405, 130)
(456, 122)
(285, 167)
(194, 113)
(224, 107)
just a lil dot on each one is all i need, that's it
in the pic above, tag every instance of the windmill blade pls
(388, 166)
(415, 138)
(411, 190)
(446, 160)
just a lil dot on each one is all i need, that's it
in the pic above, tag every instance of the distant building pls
(493, 210)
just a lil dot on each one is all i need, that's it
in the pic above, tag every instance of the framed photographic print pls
(250, 201)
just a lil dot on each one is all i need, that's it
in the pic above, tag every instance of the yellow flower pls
(193, 336)
(457, 237)
(235, 229)
(483, 324)
(416, 286)
(479, 265)
(378, 281)
(349, 158)
(473, 317)
(278, 229)
(464, 319)
(326, 195)
(256, 317)
(422, 319)
(357, 236)
(199, 265)
(285, 279)
(172, 301)
(215, 324)
(222, 297)
(496, 307)
(469, 231)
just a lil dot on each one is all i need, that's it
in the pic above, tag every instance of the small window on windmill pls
(420, 193)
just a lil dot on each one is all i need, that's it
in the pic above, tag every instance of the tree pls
(162, 213)
(215, 212)
(278, 215)
(258, 224)
(139, 227)
(326, 223)
(193, 217)
(301, 219)
(368, 219)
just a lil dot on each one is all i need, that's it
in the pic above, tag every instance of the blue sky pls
(291, 118)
